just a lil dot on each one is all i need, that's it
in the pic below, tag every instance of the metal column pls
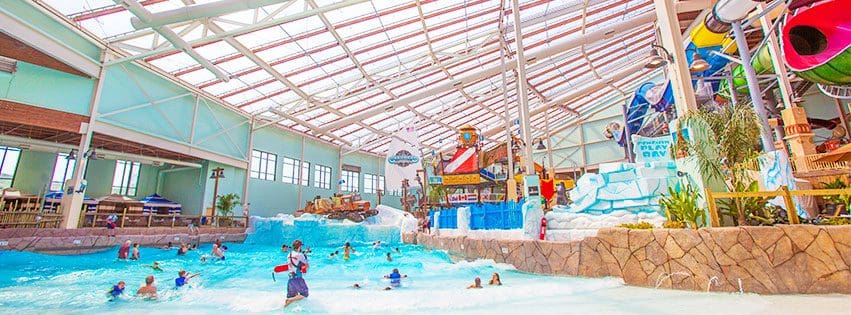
(72, 203)
(249, 153)
(753, 86)
(522, 93)
(669, 31)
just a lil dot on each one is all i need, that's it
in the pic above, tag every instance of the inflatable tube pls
(816, 41)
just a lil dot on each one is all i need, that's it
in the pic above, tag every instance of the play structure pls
(339, 207)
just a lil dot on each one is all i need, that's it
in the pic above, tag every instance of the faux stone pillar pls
(799, 135)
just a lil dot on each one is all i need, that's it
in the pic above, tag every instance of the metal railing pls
(125, 219)
(784, 192)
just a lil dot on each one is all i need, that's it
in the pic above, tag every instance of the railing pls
(29, 219)
(125, 219)
(791, 210)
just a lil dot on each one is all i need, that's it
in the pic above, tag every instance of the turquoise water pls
(42, 284)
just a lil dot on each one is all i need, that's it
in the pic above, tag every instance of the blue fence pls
(487, 216)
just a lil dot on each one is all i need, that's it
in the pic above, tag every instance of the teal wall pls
(34, 171)
(185, 187)
(45, 87)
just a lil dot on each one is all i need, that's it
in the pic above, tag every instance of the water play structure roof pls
(354, 71)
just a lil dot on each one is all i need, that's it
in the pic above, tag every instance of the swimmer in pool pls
(357, 286)
(124, 250)
(182, 250)
(135, 255)
(477, 284)
(155, 266)
(376, 244)
(116, 290)
(395, 279)
(149, 290)
(183, 277)
(388, 257)
(495, 279)
(217, 252)
(397, 250)
(347, 250)
(285, 248)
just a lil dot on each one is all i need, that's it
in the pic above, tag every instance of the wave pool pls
(33, 283)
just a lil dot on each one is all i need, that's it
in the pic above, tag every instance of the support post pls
(246, 182)
(778, 64)
(522, 91)
(75, 189)
(301, 175)
(753, 87)
(510, 182)
(791, 210)
(669, 31)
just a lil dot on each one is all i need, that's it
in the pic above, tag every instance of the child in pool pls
(155, 266)
(116, 290)
(183, 277)
(347, 250)
(388, 257)
(395, 279)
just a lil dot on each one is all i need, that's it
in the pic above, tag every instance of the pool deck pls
(783, 259)
(87, 240)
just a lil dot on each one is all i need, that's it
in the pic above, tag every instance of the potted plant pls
(225, 206)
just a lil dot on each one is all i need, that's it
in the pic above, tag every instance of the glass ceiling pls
(311, 64)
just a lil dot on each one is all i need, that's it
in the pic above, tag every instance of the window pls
(8, 163)
(381, 184)
(322, 177)
(263, 165)
(370, 183)
(126, 177)
(291, 169)
(63, 170)
(350, 181)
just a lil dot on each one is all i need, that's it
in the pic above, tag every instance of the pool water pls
(43, 284)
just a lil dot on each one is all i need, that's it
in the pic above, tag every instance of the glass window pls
(263, 165)
(370, 183)
(322, 177)
(8, 163)
(291, 172)
(63, 170)
(350, 181)
(305, 173)
(381, 184)
(126, 177)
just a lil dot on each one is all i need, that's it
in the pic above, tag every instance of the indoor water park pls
(425, 156)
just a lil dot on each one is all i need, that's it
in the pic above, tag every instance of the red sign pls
(547, 188)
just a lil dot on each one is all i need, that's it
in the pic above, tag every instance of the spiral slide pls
(817, 41)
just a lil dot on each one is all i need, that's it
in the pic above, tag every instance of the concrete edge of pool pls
(88, 240)
(783, 259)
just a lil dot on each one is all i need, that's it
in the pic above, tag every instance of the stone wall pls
(80, 241)
(783, 259)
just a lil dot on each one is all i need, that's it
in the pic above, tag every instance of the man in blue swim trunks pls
(395, 279)
(296, 287)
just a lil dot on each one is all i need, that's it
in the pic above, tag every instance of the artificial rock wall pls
(87, 240)
(783, 259)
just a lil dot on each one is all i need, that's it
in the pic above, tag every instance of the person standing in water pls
(296, 287)
(395, 279)
(347, 250)
(124, 250)
(135, 255)
(477, 284)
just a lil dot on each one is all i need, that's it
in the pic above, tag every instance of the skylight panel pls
(177, 61)
(224, 87)
(109, 25)
(263, 36)
(198, 77)
(351, 12)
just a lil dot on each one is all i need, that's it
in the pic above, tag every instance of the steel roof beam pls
(199, 11)
(603, 33)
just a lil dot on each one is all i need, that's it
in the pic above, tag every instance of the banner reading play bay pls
(403, 159)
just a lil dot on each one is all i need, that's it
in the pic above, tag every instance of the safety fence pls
(44, 219)
(483, 216)
(784, 192)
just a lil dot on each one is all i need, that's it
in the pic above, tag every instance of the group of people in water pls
(297, 265)
(149, 290)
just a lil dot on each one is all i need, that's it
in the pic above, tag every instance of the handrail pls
(784, 192)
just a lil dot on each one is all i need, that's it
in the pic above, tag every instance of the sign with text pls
(651, 149)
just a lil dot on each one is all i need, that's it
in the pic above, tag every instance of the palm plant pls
(725, 140)
(840, 199)
(227, 203)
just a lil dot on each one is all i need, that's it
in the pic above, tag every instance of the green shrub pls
(835, 221)
(642, 225)
(841, 199)
(673, 225)
(681, 205)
